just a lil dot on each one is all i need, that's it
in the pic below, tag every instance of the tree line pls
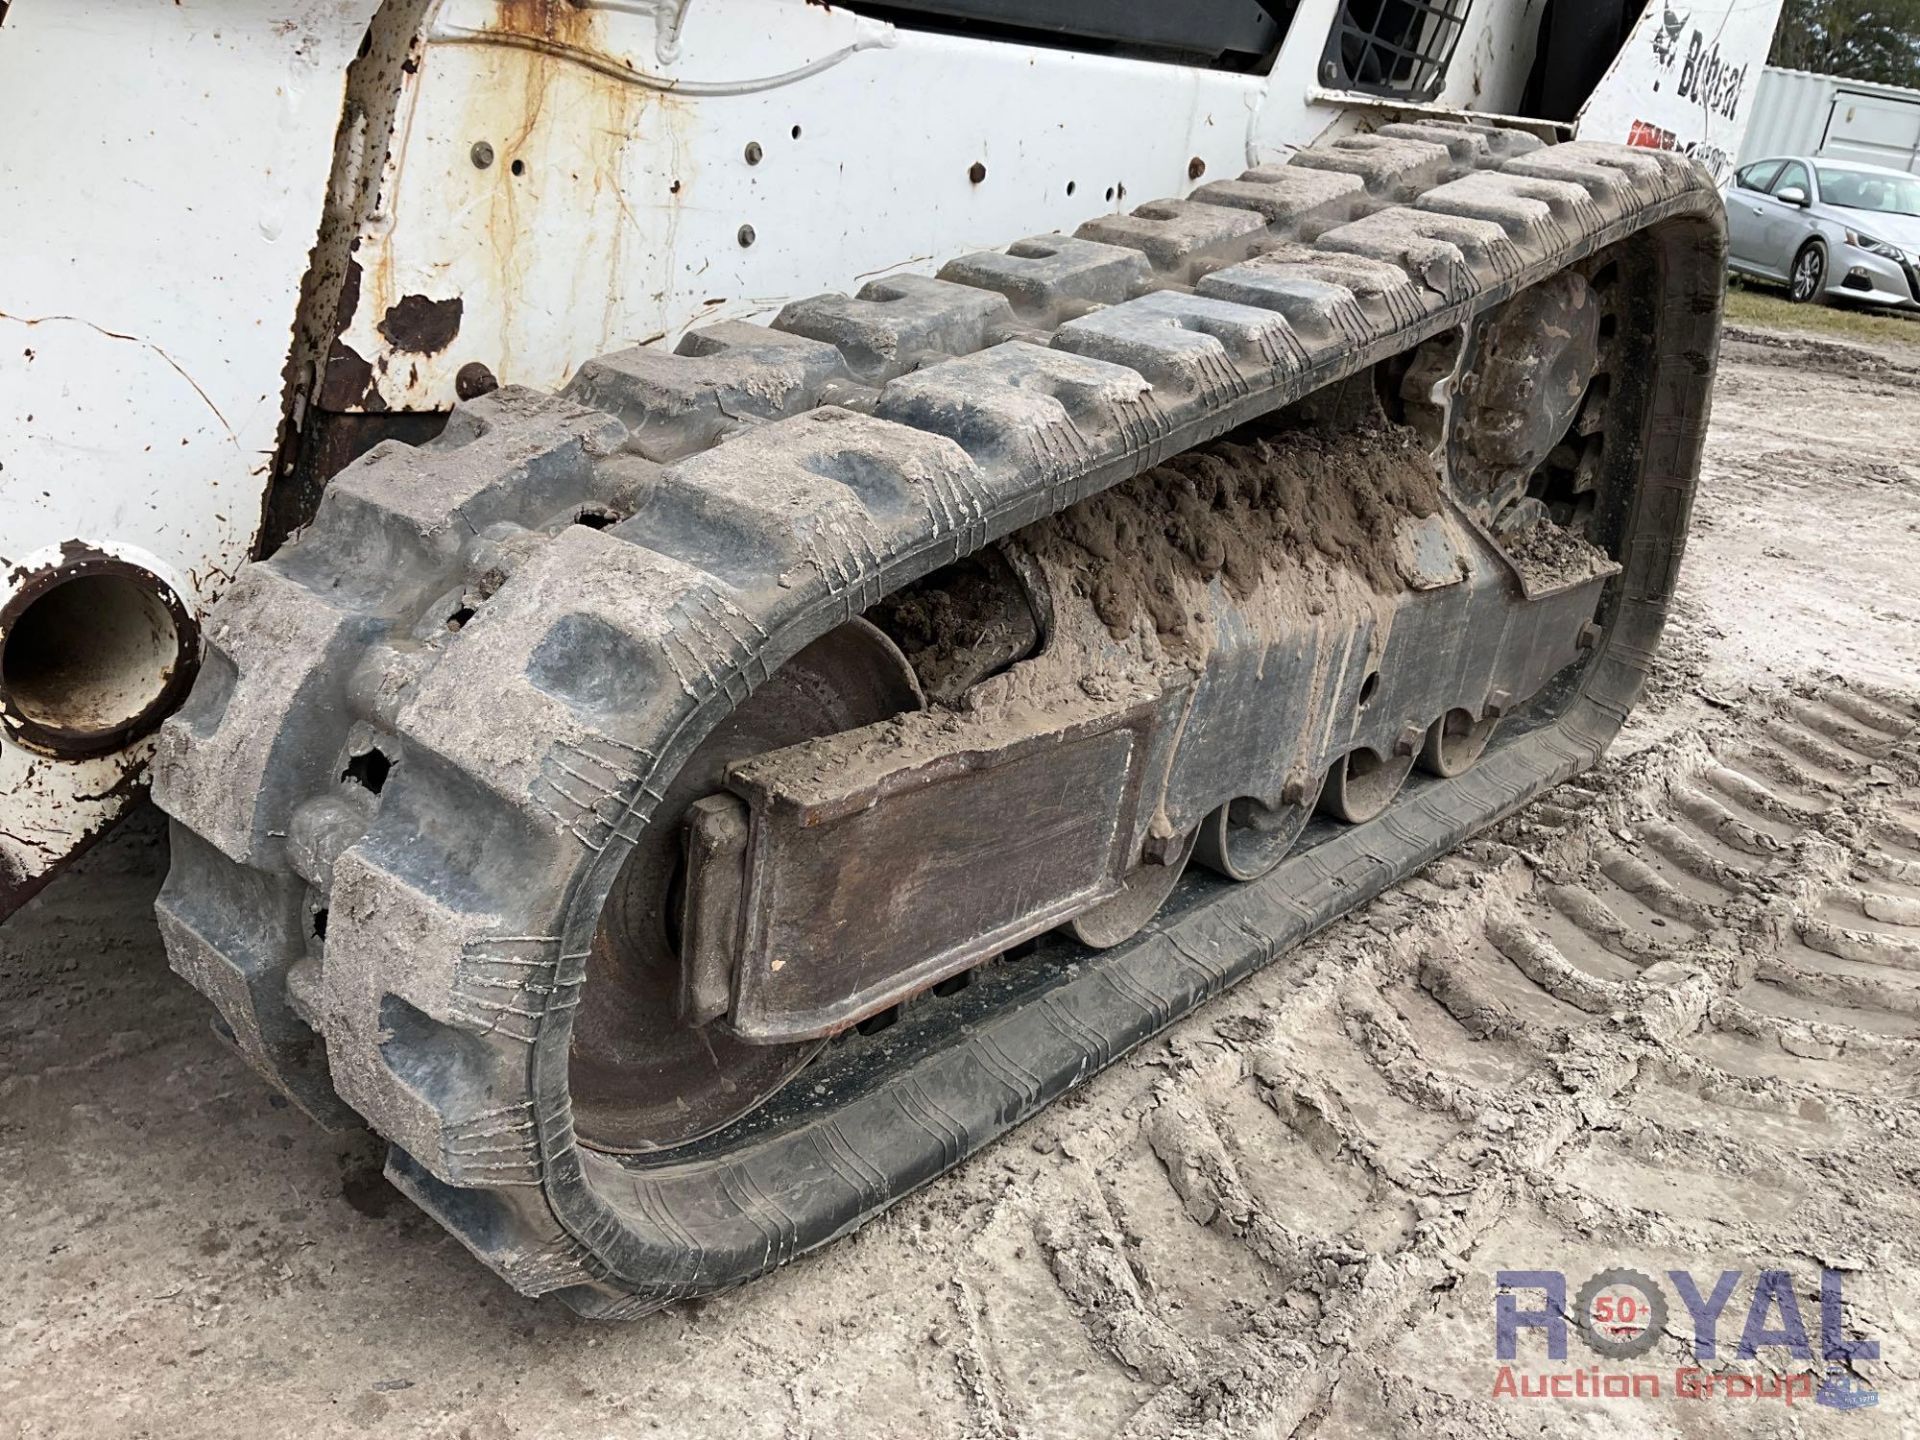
(1857, 39)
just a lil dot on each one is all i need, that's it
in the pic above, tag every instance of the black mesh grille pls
(1394, 47)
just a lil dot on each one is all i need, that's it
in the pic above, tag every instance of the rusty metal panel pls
(863, 853)
(573, 178)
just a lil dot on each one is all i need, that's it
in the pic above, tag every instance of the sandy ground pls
(1665, 1021)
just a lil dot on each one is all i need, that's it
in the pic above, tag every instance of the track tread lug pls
(1391, 168)
(1046, 277)
(1290, 198)
(895, 323)
(1192, 346)
(677, 402)
(1178, 237)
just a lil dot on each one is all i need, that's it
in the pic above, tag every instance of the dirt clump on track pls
(1664, 1019)
(1550, 556)
(1321, 500)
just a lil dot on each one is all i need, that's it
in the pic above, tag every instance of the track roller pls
(1125, 915)
(1362, 784)
(1246, 838)
(1454, 742)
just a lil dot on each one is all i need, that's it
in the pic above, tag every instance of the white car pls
(1828, 230)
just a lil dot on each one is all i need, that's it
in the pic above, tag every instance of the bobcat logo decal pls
(1666, 40)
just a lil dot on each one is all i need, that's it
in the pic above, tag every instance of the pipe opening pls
(92, 658)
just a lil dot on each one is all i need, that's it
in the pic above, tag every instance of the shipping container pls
(1796, 112)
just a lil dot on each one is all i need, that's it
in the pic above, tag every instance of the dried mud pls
(1664, 1019)
(1314, 501)
(1548, 556)
(1293, 523)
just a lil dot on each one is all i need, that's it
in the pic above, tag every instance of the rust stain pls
(564, 136)
(347, 382)
(420, 326)
(349, 298)
(561, 20)
(565, 131)
(510, 113)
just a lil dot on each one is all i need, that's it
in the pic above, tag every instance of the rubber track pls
(428, 730)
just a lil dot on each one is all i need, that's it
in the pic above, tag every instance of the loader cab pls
(1392, 49)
